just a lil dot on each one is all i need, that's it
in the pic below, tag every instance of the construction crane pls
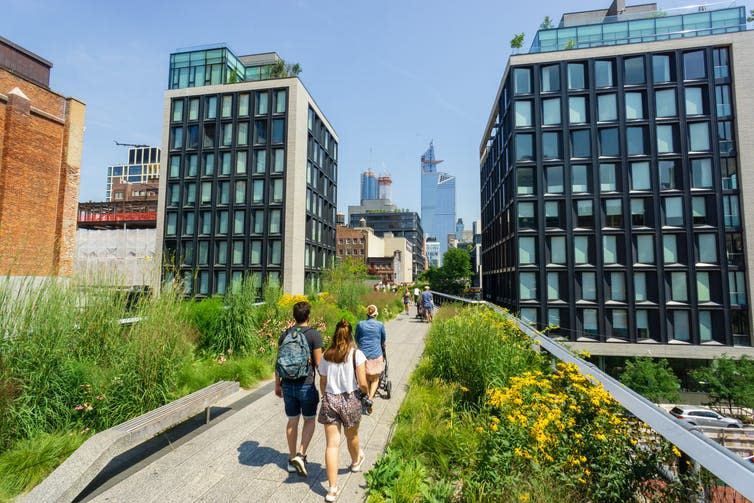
(129, 144)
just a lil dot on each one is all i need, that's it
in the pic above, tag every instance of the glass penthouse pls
(614, 180)
(248, 175)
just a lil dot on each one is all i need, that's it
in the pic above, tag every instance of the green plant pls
(546, 23)
(728, 381)
(652, 378)
(517, 41)
(571, 44)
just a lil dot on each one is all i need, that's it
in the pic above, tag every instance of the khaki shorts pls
(375, 367)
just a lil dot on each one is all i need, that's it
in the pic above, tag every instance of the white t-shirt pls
(340, 376)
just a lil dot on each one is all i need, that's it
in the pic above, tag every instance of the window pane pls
(243, 104)
(576, 78)
(580, 143)
(665, 103)
(558, 250)
(526, 218)
(731, 215)
(607, 178)
(278, 160)
(609, 142)
(603, 73)
(679, 291)
(275, 248)
(171, 224)
(694, 104)
(551, 111)
(661, 68)
(206, 196)
(528, 285)
(680, 328)
(702, 287)
(705, 326)
(673, 211)
(221, 252)
(640, 287)
(225, 164)
(241, 162)
(209, 164)
(175, 166)
(693, 65)
(524, 147)
(634, 70)
(581, 249)
(665, 142)
(707, 248)
(577, 109)
(634, 106)
(194, 109)
(260, 132)
(522, 81)
(617, 286)
(527, 250)
(588, 286)
(277, 190)
(555, 179)
(525, 180)
(640, 176)
(638, 214)
(645, 249)
(262, 102)
(584, 213)
(278, 130)
(699, 136)
(239, 217)
(177, 110)
(274, 221)
(523, 113)
(579, 178)
(551, 145)
(669, 249)
(256, 253)
(550, 78)
(613, 213)
(607, 107)
(610, 249)
(224, 192)
(240, 192)
(553, 286)
(635, 140)
(280, 98)
(210, 107)
(237, 252)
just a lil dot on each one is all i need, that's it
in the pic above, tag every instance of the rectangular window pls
(553, 214)
(608, 181)
(240, 192)
(175, 166)
(640, 176)
(280, 96)
(241, 162)
(603, 73)
(203, 258)
(737, 288)
(725, 137)
(243, 134)
(278, 130)
(577, 109)
(551, 111)
(581, 145)
(645, 249)
(609, 145)
(661, 68)
(694, 103)
(588, 286)
(190, 195)
(554, 179)
(550, 78)
(705, 326)
(260, 132)
(665, 143)
(262, 102)
(699, 137)
(278, 160)
(665, 103)
(527, 250)
(523, 113)
(679, 290)
(525, 181)
(557, 250)
(640, 286)
(526, 217)
(620, 323)
(524, 147)
(702, 287)
(638, 213)
(210, 107)
(206, 223)
(237, 252)
(633, 70)
(720, 62)
(634, 106)
(221, 252)
(553, 286)
(206, 196)
(617, 286)
(680, 328)
(522, 81)
(223, 193)
(227, 106)
(579, 178)
(722, 99)
(581, 249)
(731, 215)
(227, 135)
(636, 142)
(701, 173)
(275, 252)
(209, 164)
(613, 213)
(193, 109)
(527, 285)
(277, 190)
(208, 135)
(576, 76)
(256, 252)
(707, 246)
(225, 165)
(258, 222)
(610, 249)
(694, 66)
(589, 322)
(584, 214)
(260, 164)
(699, 210)
(177, 110)
(669, 249)
(177, 138)
(607, 107)
(222, 222)
(673, 211)
(171, 224)
(189, 222)
(257, 195)
(243, 104)
(239, 220)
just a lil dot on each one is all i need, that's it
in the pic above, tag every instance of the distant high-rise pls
(459, 228)
(384, 183)
(369, 188)
(438, 200)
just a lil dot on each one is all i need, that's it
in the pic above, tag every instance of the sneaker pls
(299, 464)
(366, 406)
(332, 494)
(356, 467)
(291, 467)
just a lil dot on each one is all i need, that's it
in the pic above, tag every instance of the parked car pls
(702, 416)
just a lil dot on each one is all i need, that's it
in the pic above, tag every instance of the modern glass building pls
(614, 180)
(369, 187)
(248, 174)
(438, 200)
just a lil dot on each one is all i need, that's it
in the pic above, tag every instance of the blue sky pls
(389, 75)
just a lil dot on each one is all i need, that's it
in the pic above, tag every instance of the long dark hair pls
(342, 343)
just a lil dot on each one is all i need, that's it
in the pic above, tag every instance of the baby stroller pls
(420, 310)
(385, 387)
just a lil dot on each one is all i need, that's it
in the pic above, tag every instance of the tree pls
(517, 41)
(546, 24)
(751, 16)
(453, 277)
(654, 379)
(280, 69)
(728, 381)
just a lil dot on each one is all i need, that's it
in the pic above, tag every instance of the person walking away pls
(406, 300)
(417, 293)
(299, 353)
(342, 381)
(370, 336)
(428, 303)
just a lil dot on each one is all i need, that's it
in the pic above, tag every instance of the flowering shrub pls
(287, 301)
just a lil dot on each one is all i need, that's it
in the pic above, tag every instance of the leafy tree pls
(654, 379)
(751, 16)
(546, 24)
(280, 69)
(728, 381)
(453, 276)
(517, 41)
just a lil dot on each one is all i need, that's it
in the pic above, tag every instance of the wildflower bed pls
(487, 418)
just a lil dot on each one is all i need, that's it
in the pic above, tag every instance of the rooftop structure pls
(619, 25)
(216, 64)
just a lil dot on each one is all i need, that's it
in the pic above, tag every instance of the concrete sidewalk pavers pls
(243, 458)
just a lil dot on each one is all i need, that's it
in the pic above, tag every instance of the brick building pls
(41, 137)
(350, 243)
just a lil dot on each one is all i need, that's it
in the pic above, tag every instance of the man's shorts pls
(300, 400)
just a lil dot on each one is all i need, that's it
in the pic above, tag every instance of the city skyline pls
(115, 64)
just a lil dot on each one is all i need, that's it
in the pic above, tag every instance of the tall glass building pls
(369, 187)
(614, 180)
(249, 174)
(438, 200)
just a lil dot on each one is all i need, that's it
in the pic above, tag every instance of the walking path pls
(244, 457)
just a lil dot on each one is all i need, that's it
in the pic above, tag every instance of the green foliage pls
(453, 276)
(247, 370)
(346, 283)
(571, 44)
(751, 16)
(205, 316)
(280, 69)
(29, 461)
(728, 381)
(546, 24)
(517, 41)
(654, 379)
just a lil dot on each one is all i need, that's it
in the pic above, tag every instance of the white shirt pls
(340, 376)
(416, 292)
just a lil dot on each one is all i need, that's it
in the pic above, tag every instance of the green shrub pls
(205, 317)
(247, 370)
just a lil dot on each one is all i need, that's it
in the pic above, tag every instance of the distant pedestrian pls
(299, 353)
(370, 336)
(406, 300)
(417, 292)
(342, 382)
(428, 303)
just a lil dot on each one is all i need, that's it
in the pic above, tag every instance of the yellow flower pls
(464, 389)
(524, 497)
(493, 427)
(601, 437)
(676, 452)
(479, 429)
(495, 419)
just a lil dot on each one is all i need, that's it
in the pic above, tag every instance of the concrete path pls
(243, 457)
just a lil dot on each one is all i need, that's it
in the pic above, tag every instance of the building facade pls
(401, 224)
(41, 140)
(438, 200)
(248, 179)
(139, 179)
(613, 180)
(369, 187)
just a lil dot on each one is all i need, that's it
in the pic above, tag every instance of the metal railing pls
(721, 462)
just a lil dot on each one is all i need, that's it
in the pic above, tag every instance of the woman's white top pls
(340, 376)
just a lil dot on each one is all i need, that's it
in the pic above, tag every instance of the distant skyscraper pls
(384, 183)
(369, 188)
(438, 200)
(459, 229)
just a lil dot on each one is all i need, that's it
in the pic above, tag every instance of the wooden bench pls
(76, 472)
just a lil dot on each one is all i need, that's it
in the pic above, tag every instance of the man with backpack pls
(299, 352)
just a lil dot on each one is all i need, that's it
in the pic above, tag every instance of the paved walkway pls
(243, 457)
